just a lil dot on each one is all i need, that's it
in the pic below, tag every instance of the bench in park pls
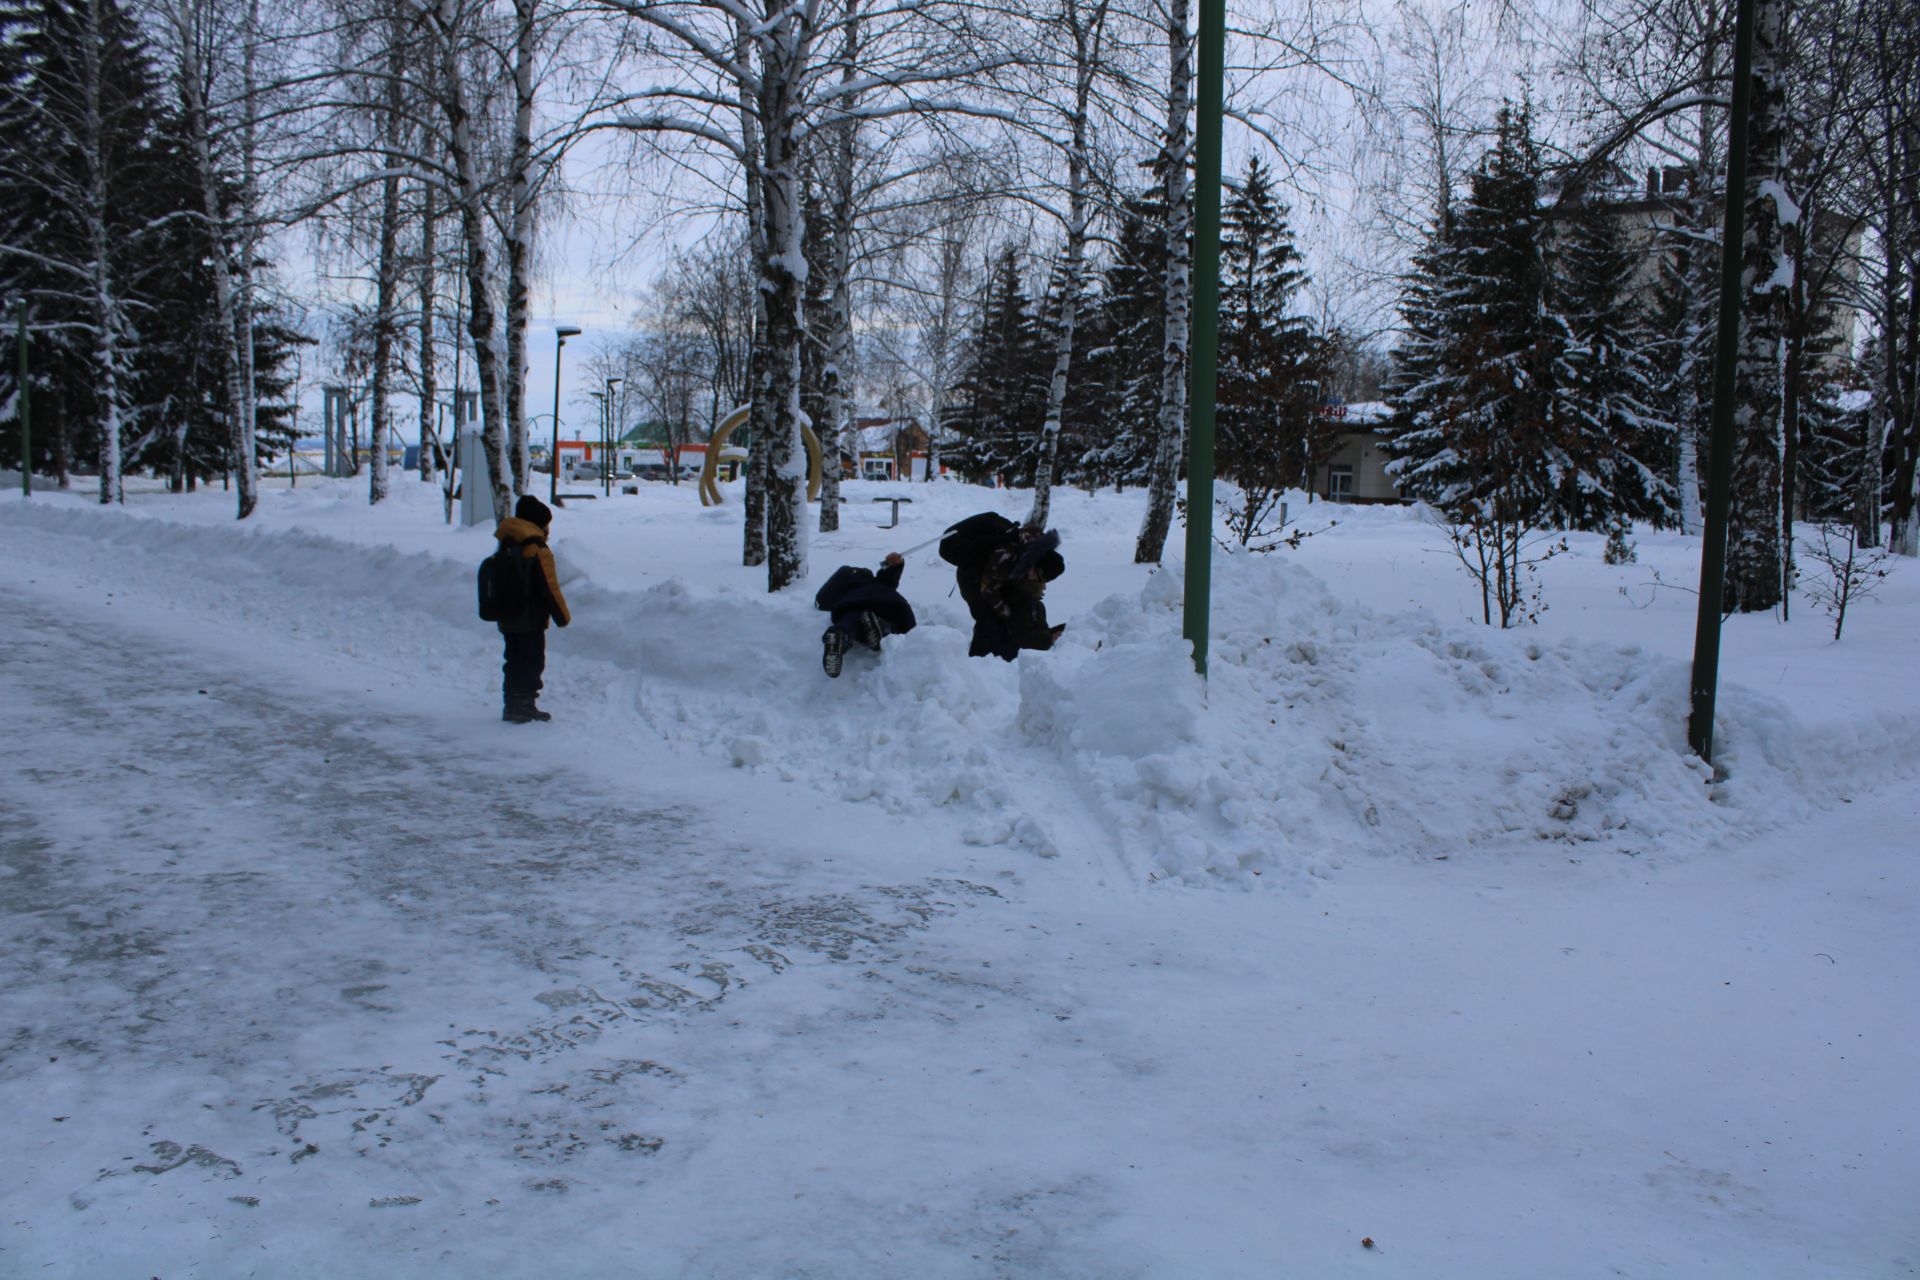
(896, 510)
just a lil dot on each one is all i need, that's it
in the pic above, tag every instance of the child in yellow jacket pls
(525, 634)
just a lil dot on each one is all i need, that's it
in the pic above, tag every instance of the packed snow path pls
(314, 973)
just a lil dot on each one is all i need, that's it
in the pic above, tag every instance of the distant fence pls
(312, 461)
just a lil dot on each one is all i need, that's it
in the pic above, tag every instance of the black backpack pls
(969, 543)
(506, 583)
(848, 577)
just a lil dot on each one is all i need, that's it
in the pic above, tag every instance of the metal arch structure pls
(709, 469)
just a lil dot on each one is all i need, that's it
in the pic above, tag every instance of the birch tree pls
(1887, 193)
(387, 257)
(924, 265)
(1654, 78)
(427, 357)
(939, 312)
(105, 227)
(1082, 26)
(1754, 551)
(90, 143)
(81, 124)
(1176, 152)
(207, 36)
(449, 26)
(751, 85)
(1826, 119)
(539, 32)
(708, 293)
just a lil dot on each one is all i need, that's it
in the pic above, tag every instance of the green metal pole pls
(26, 411)
(553, 461)
(1713, 548)
(1206, 329)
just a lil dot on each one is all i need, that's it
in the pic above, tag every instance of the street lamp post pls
(600, 428)
(560, 335)
(606, 459)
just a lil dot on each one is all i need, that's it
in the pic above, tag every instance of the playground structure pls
(710, 488)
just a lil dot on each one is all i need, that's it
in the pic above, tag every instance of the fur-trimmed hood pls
(514, 529)
(1042, 551)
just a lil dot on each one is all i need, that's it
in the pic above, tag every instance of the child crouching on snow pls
(866, 607)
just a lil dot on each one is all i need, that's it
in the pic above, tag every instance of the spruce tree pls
(1609, 448)
(1271, 362)
(1137, 283)
(1001, 397)
(1832, 430)
(1684, 302)
(83, 112)
(99, 188)
(1475, 433)
(1119, 390)
(1415, 430)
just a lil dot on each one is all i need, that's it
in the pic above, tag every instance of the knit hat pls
(533, 511)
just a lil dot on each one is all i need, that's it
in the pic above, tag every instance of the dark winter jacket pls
(853, 590)
(549, 602)
(1009, 613)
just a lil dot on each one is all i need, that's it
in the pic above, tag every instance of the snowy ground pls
(1399, 929)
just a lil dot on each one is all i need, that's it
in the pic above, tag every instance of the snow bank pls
(1328, 730)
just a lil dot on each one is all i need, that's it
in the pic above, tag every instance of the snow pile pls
(1332, 730)
(1328, 729)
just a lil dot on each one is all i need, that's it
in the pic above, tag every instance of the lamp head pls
(565, 331)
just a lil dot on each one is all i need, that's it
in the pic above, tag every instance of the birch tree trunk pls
(520, 239)
(62, 460)
(1906, 523)
(190, 26)
(106, 303)
(953, 256)
(386, 271)
(783, 284)
(1868, 495)
(247, 237)
(940, 380)
(1086, 32)
(469, 199)
(753, 535)
(840, 299)
(1691, 515)
(1899, 333)
(1797, 316)
(1901, 413)
(1700, 287)
(429, 370)
(1170, 434)
(753, 539)
(1754, 551)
